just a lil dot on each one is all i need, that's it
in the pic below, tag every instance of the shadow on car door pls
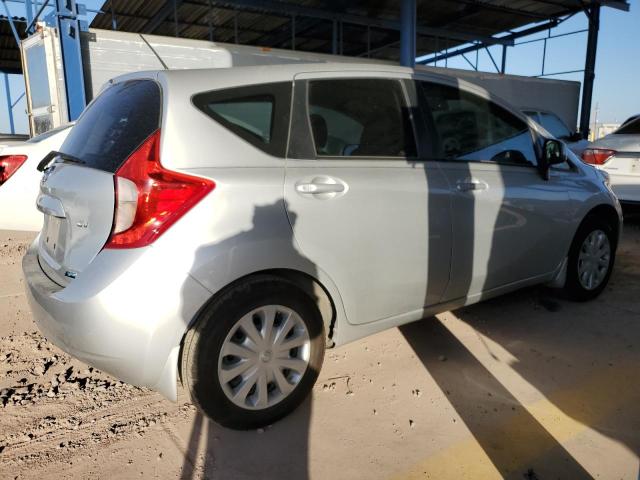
(581, 357)
(493, 229)
(281, 450)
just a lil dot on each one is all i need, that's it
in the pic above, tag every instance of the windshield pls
(551, 122)
(631, 128)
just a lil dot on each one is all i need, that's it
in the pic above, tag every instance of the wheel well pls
(316, 291)
(610, 215)
(312, 287)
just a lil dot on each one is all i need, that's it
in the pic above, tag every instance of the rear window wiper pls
(65, 157)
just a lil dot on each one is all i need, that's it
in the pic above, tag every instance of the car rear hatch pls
(77, 193)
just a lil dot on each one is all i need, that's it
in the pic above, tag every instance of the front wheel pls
(254, 353)
(591, 259)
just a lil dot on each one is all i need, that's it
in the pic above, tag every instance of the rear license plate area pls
(54, 236)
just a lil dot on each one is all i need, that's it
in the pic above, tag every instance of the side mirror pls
(553, 153)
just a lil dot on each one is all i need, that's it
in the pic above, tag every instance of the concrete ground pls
(524, 386)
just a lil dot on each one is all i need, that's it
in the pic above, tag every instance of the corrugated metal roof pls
(260, 23)
(268, 23)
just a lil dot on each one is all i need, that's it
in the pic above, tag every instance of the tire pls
(204, 368)
(575, 288)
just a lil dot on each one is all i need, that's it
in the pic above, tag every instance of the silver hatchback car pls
(223, 227)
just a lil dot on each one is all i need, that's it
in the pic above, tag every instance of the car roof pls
(212, 78)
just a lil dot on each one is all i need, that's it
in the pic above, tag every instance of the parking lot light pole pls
(408, 33)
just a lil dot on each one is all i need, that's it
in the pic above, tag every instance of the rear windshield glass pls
(115, 124)
(631, 128)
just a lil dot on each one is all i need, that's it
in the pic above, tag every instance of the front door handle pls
(321, 187)
(471, 185)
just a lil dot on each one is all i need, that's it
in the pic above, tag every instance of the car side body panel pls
(142, 301)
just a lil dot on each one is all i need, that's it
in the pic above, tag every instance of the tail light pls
(150, 198)
(9, 164)
(597, 156)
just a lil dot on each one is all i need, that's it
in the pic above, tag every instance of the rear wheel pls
(591, 259)
(254, 353)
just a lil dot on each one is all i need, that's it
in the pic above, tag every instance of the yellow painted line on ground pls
(531, 433)
(467, 459)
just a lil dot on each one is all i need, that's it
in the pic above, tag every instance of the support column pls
(334, 38)
(589, 69)
(69, 32)
(7, 87)
(408, 33)
(28, 8)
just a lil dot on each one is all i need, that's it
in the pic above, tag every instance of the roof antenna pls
(154, 52)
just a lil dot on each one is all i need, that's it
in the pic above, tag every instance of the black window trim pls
(406, 97)
(536, 138)
(282, 96)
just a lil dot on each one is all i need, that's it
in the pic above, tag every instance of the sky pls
(616, 93)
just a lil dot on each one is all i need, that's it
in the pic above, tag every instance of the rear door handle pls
(315, 188)
(322, 187)
(471, 185)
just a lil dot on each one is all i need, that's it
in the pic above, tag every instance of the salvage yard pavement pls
(523, 386)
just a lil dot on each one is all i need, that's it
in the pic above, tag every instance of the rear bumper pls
(117, 316)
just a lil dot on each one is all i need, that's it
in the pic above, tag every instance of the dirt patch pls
(522, 386)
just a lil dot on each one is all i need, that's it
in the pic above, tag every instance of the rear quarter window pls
(259, 114)
(113, 126)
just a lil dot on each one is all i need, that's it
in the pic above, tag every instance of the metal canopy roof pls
(356, 28)
(364, 25)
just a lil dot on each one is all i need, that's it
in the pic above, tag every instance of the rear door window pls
(259, 114)
(360, 118)
(471, 128)
(113, 126)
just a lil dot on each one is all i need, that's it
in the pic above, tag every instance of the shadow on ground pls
(582, 357)
(278, 452)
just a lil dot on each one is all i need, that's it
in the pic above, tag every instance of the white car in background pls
(7, 139)
(554, 125)
(618, 154)
(20, 180)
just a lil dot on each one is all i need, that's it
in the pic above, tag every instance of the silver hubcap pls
(593, 261)
(264, 357)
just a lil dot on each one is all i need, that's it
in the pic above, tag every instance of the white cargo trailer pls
(106, 54)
